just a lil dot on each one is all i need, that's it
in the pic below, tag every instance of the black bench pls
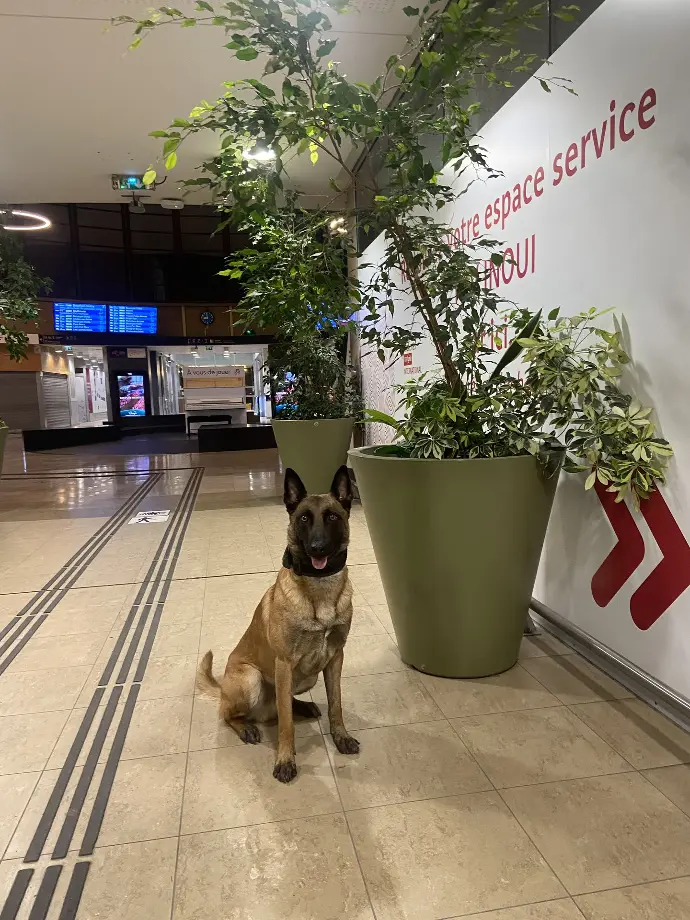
(235, 437)
(53, 438)
(191, 419)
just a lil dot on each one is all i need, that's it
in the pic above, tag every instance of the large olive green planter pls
(314, 448)
(458, 545)
(3, 437)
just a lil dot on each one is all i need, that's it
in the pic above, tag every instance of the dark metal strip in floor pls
(106, 531)
(37, 844)
(33, 853)
(103, 795)
(72, 817)
(45, 592)
(26, 638)
(124, 632)
(46, 607)
(146, 609)
(75, 889)
(46, 890)
(148, 645)
(50, 596)
(87, 474)
(75, 474)
(129, 658)
(16, 895)
(168, 554)
(169, 551)
(93, 828)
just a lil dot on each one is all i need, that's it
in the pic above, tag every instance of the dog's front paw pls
(285, 771)
(250, 734)
(346, 744)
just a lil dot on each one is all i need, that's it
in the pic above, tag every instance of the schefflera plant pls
(565, 397)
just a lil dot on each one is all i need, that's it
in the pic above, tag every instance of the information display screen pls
(79, 317)
(133, 320)
(131, 391)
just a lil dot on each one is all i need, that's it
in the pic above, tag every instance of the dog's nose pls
(318, 548)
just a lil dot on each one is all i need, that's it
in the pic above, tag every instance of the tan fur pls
(298, 631)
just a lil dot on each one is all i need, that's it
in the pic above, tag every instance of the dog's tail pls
(205, 680)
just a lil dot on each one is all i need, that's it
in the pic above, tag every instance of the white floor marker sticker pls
(151, 517)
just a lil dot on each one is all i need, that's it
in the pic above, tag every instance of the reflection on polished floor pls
(545, 793)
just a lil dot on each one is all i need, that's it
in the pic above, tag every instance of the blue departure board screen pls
(79, 317)
(133, 320)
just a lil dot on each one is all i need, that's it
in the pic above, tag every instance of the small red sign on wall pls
(407, 359)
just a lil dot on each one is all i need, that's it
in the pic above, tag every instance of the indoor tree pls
(413, 131)
(296, 285)
(20, 288)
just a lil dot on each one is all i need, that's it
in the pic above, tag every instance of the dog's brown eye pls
(305, 518)
(332, 517)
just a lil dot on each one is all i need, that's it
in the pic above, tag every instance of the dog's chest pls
(325, 614)
(325, 634)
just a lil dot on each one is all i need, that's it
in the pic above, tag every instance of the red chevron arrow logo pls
(625, 556)
(669, 579)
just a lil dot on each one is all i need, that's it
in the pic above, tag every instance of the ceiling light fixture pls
(172, 204)
(41, 222)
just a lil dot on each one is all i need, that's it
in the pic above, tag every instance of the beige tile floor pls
(545, 793)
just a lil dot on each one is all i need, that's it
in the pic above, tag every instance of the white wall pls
(615, 233)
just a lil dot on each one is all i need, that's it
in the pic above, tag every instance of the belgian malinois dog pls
(298, 630)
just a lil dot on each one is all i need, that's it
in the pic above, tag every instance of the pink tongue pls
(319, 562)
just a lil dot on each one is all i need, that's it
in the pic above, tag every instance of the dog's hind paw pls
(285, 771)
(250, 734)
(346, 744)
(305, 710)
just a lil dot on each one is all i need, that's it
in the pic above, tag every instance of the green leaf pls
(545, 86)
(591, 479)
(203, 5)
(149, 177)
(171, 144)
(158, 133)
(427, 58)
(171, 161)
(375, 415)
(515, 348)
(246, 54)
(325, 48)
(261, 88)
(411, 10)
(313, 152)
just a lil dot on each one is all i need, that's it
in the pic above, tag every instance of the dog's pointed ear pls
(293, 490)
(341, 488)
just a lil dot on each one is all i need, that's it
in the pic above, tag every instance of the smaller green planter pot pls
(315, 449)
(457, 544)
(4, 430)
